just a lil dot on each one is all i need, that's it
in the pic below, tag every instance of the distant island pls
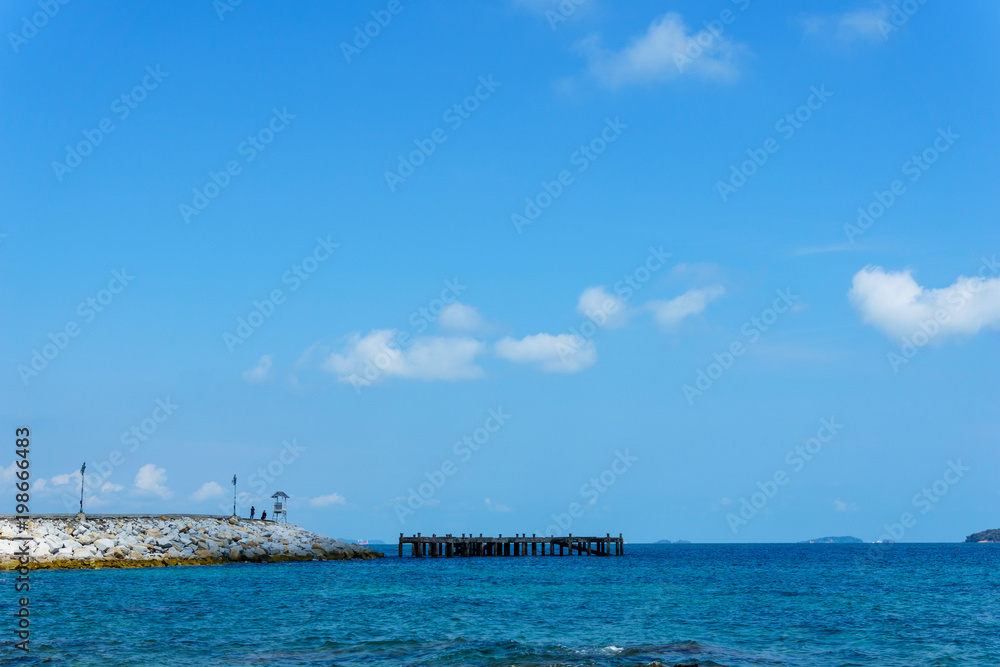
(985, 536)
(669, 542)
(846, 539)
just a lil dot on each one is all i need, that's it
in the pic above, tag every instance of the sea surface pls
(787, 604)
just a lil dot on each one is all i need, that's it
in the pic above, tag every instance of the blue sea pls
(677, 604)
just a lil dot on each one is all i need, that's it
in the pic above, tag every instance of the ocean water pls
(907, 604)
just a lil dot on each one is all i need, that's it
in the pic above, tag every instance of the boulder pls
(235, 553)
(104, 544)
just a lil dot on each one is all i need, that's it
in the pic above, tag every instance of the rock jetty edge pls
(156, 541)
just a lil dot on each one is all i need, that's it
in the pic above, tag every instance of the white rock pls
(104, 544)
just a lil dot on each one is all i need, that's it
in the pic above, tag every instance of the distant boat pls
(363, 543)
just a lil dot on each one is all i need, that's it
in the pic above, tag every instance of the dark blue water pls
(657, 605)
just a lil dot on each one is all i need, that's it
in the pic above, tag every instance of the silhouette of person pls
(263, 515)
(252, 510)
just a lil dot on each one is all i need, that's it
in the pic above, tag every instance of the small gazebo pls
(280, 507)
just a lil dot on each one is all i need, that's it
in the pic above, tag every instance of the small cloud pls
(260, 373)
(668, 314)
(151, 480)
(603, 308)
(426, 358)
(869, 24)
(818, 250)
(459, 317)
(207, 491)
(841, 506)
(326, 501)
(496, 507)
(95, 501)
(894, 303)
(666, 51)
(108, 487)
(60, 480)
(720, 503)
(564, 353)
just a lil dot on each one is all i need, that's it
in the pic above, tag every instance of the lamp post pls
(234, 495)
(83, 469)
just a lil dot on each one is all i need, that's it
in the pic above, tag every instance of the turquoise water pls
(658, 604)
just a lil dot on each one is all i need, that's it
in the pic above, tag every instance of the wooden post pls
(400, 545)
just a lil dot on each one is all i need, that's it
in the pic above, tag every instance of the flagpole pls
(234, 495)
(83, 469)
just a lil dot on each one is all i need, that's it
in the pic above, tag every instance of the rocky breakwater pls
(92, 542)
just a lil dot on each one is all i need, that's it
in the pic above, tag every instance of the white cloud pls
(426, 358)
(152, 480)
(603, 308)
(8, 474)
(841, 506)
(260, 373)
(326, 501)
(59, 480)
(666, 51)
(894, 303)
(564, 353)
(669, 314)
(95, 501)
(868, 24)
(108, 487)
(496, 507)
(207, 491)
(460, 317)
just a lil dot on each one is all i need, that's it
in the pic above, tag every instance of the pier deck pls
(448, 546)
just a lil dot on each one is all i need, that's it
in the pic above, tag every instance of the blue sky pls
(707, 271)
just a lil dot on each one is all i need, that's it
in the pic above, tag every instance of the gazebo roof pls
(280, 494)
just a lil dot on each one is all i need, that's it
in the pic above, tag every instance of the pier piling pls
(449, 546)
